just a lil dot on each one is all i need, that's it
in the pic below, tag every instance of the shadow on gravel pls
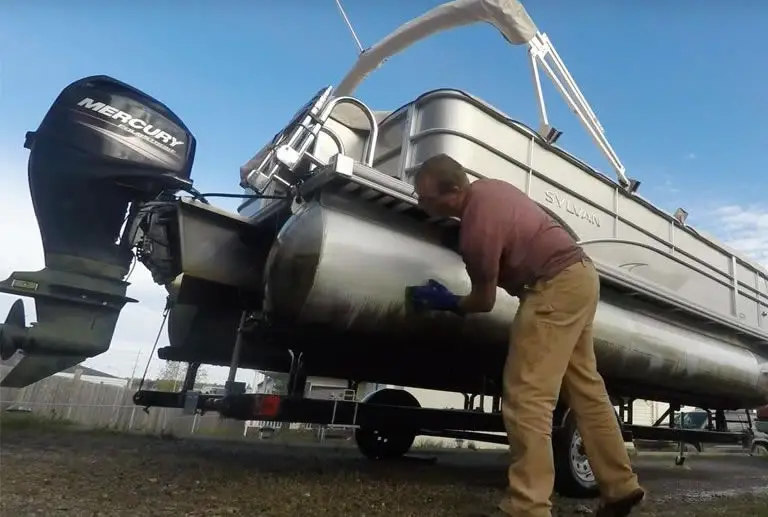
(64, 471)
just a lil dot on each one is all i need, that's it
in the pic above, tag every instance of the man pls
(507, 240)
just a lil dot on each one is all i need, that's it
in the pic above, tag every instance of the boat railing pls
(511, 20)
(290, 149)
(729, 280)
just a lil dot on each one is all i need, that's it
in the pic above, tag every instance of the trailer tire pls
(573, 474)
(759, 449)
(387, 442)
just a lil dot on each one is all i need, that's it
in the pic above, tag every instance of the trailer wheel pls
(759, 449)
(386, 442)
(573, 474)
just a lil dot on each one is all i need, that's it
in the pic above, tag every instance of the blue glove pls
(433, 296)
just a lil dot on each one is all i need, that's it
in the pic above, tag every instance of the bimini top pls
(508, 16)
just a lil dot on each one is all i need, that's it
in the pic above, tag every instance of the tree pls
(171, 371)
(279, 387)
(170, 376)
(202, 376)
(279, 383)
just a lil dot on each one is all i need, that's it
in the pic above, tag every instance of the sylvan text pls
(563, 202)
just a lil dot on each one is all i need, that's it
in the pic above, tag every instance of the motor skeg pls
(103, 149)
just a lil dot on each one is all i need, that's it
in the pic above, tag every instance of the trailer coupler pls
(245, 406)
(237, 407)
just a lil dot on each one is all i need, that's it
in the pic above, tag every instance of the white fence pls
(100, 402)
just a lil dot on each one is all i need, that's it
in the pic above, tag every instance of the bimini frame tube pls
(516, 26)
(508, 16)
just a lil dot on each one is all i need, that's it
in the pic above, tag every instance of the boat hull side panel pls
(650, 267)
(491, 145)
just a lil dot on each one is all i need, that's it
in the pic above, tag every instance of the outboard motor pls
(103, 150)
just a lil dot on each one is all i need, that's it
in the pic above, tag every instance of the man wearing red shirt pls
(508, 241)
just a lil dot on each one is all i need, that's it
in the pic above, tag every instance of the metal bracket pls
(234, 388)
(342, 164)
(539, 48)
(190, 402)
(287, 156)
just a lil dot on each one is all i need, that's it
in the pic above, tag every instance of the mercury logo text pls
(131, 121)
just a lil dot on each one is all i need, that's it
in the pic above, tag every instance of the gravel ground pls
(46, 470)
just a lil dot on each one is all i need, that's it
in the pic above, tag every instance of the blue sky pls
(667, 82)
(679, 88)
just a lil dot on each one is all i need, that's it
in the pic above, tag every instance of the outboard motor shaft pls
(103, 149)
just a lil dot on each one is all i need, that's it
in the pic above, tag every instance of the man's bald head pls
(447, 174)
(441, 184)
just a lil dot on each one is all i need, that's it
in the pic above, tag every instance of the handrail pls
(374, 135)
(335, 138)
(297, 133)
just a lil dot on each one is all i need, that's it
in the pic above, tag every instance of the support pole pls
(231, 387)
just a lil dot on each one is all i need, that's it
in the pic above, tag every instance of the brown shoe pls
(621, 507)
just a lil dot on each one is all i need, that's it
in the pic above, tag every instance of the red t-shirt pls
(507, 238)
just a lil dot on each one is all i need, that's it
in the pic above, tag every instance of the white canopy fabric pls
(508, 16)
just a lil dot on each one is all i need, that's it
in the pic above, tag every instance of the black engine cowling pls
(101, 146)
(102, 150)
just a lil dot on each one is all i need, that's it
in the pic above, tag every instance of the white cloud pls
(668, 186)
(22, 251)
(745, 229)
(742, 227)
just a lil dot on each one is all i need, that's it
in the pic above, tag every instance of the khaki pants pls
(551, 354)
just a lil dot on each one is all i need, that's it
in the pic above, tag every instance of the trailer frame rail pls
(448, 423)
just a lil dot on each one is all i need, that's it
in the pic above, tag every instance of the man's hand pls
(433, 296)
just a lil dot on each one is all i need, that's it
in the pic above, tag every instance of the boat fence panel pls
(632, 241)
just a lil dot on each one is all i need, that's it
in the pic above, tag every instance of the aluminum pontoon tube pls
(343, 265)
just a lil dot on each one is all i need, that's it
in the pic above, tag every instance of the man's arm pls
(482, 298)
(481, 245)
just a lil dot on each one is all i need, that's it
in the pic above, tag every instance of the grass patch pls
(736, 506)
(432, 443)
(49, 422)
(11, 420)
